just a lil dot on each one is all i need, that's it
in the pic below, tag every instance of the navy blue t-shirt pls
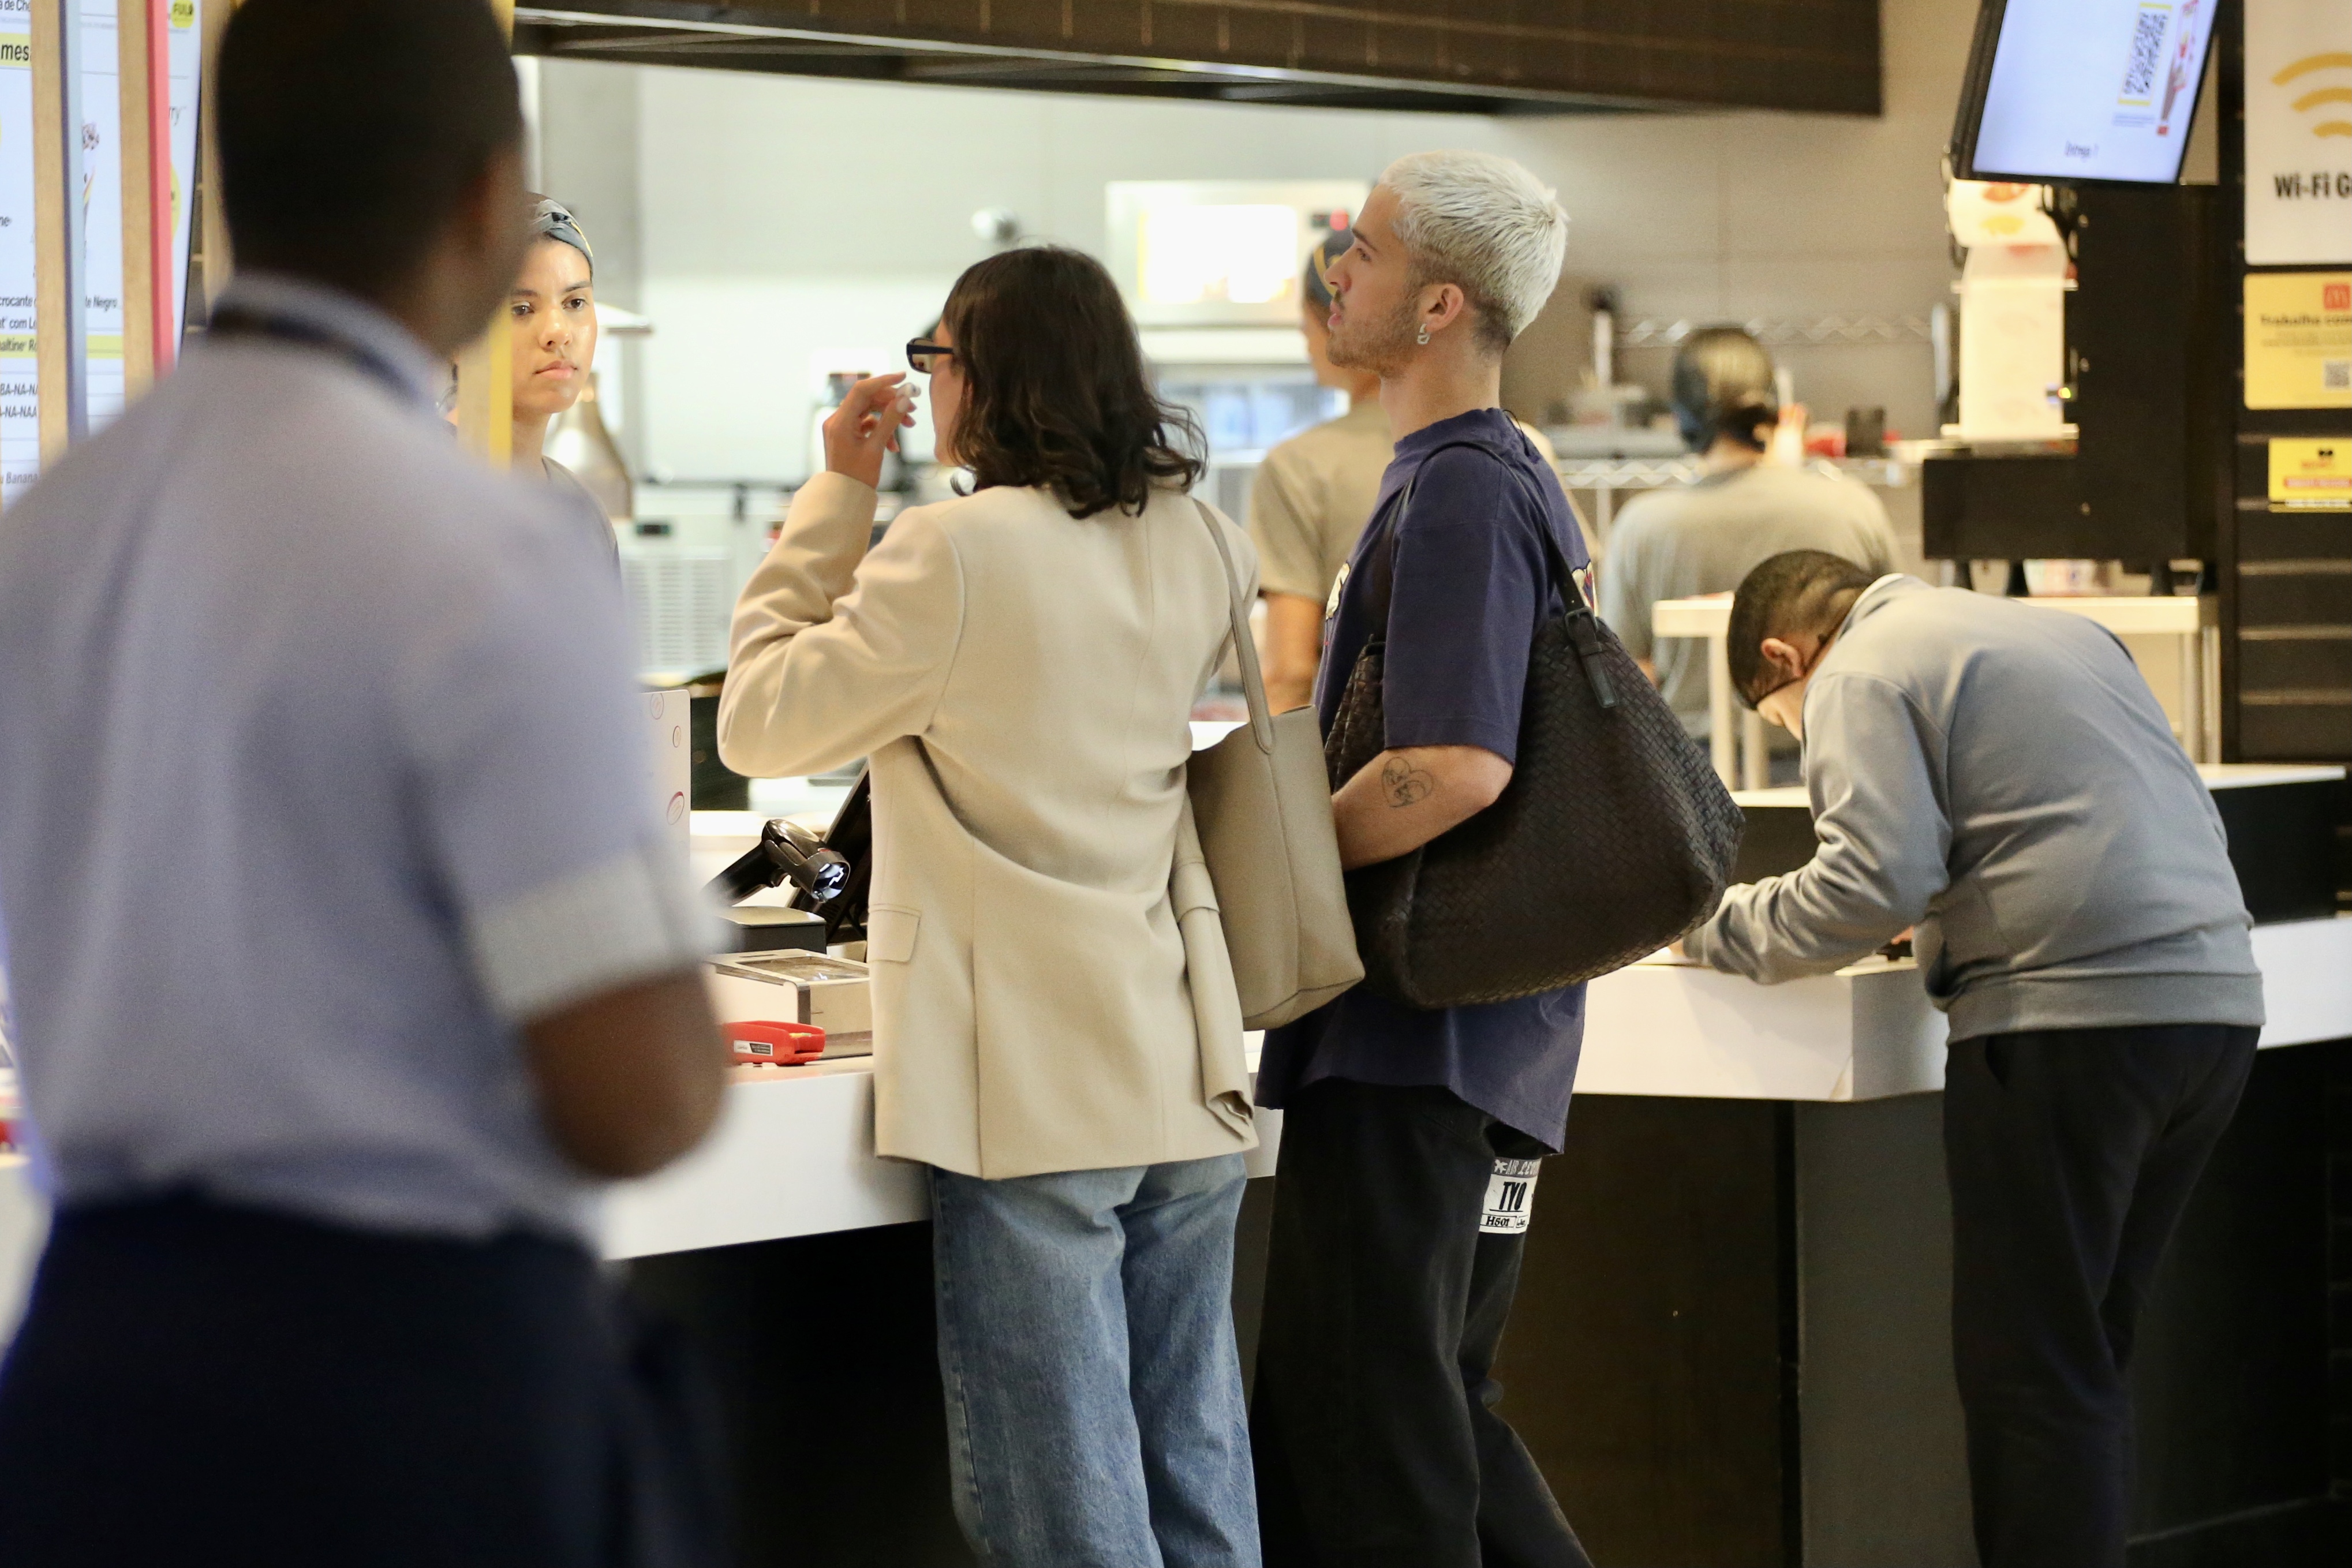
(1472, 587)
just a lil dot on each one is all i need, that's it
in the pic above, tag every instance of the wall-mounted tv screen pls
(2078, 91)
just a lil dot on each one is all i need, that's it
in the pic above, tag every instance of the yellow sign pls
(2312, 473)
(2299, 339)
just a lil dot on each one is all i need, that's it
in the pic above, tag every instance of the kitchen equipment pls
(767, 927)
(829, 993)
(579, 440)
(851, 837)
(786, 851)
(770, 1042)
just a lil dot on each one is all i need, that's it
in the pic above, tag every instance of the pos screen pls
(2082, 91)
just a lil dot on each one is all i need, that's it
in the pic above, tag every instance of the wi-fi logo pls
(2320, 97)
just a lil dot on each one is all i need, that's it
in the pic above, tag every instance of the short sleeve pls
(1281, 524)
(531, 773)
(1468, 588)
(1624, 604)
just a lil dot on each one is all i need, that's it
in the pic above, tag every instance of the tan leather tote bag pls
(1264, 810)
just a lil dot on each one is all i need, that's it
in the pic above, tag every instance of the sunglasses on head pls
(922, 354)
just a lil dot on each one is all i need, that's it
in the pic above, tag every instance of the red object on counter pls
(773, 1044)
(1830, 442)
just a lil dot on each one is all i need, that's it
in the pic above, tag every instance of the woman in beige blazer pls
(1055, 1029)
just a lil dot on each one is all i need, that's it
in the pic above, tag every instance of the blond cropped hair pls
(1482, 222)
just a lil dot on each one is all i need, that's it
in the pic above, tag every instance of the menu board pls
(2089, 89)
(100, 210)
(20, 437)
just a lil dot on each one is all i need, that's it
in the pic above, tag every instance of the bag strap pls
(1244, 645)
(1569, 591)
(1583, 627)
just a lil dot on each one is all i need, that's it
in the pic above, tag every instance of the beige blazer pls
(1051, 987)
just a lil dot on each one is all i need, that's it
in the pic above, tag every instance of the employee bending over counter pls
(2002, 779)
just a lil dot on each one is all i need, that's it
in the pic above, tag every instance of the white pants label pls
(1510, 1198)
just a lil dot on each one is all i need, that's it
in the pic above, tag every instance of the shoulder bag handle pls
(1584, 624)
(1569, 591)
(1244, 645)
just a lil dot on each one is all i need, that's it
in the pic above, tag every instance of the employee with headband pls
(554, 313)
(1702, 539)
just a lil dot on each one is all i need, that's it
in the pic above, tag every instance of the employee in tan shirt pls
(1312, 497)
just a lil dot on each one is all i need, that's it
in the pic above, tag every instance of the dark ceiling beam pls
(958, 68)
(578, 41)
(1503, 56)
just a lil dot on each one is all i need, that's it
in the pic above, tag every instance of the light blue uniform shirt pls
(321, 773)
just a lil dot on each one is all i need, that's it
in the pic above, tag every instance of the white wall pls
(777, 217)
(1739, 217)
(781, 217)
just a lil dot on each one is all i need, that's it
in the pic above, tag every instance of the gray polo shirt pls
(324, 774)
(1702, 539)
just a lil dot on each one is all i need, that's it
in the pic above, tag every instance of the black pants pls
(1378, 1443)
(2072, 1154)
(196, 1383)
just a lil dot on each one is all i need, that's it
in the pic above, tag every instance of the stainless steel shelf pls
(1820, 331)
(1656, 473)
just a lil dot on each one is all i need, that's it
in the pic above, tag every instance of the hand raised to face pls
(867, 425)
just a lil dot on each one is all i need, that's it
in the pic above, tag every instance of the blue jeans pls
(1094, 1391)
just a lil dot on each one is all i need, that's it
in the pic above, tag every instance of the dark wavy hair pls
(1056, 392)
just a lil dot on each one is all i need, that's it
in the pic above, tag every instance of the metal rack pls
(1820, 331)
(1602, 477)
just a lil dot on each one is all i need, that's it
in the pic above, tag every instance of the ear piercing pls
(1422, 337)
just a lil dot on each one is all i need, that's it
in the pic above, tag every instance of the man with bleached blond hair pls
(1412, 1137)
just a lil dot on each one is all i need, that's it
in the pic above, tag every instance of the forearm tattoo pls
(1404, 784)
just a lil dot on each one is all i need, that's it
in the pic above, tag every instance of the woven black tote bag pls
(1613, 838)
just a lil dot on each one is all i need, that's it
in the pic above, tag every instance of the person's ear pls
(1785, 657)
(1441, 305)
